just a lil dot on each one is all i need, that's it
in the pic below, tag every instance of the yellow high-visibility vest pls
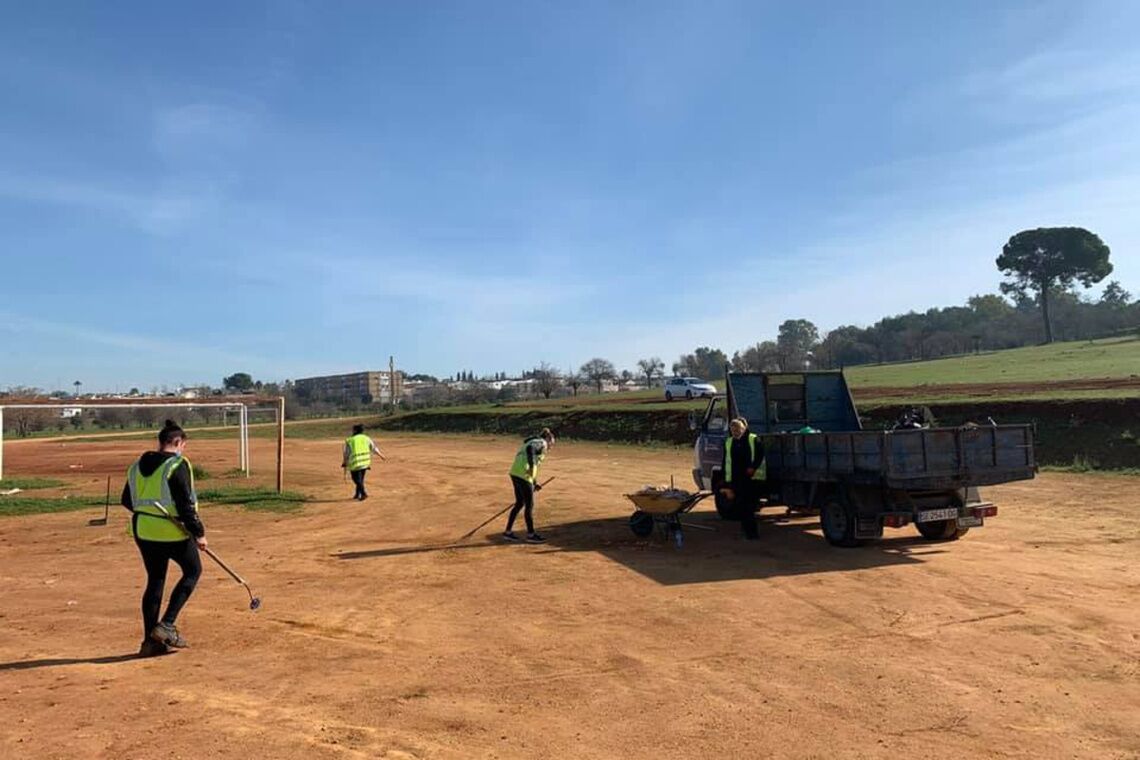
(149, 491)
(521, 468)
(761, 471)
(359, 452)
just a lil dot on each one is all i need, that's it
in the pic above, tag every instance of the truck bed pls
(929, 458)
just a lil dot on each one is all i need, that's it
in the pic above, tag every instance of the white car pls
(688, 387)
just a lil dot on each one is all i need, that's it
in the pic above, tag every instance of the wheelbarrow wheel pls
(641, 523)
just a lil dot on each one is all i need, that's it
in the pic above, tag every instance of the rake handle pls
(474, 530)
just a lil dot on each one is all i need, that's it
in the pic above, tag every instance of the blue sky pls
(288, 189)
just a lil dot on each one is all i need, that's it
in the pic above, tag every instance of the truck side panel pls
(939, 458)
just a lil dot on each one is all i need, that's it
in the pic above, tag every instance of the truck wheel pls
(941, 530)
(641, 523)
(725, 508)
(668, 396)
(837, 520)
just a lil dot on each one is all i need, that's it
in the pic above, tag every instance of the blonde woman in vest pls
(743, 471)
(524, 478)
(358, 451)
(164, 521)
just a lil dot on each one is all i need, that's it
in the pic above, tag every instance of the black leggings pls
(156, 555)
(524, 497)
(358, 481)
(747, 501)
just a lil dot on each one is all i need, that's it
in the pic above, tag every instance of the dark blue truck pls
(860, 481)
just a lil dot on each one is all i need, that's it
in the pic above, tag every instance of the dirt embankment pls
(1105, 433)
(998, 390)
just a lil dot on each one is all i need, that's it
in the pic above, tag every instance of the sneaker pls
(535, 538)
(509, 535)
(152, 648)
(167, 634)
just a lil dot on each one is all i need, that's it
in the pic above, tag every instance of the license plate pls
(930, 515)
(969, 522)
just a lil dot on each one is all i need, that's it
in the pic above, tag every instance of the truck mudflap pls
(868, 527)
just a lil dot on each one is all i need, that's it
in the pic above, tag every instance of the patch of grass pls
(258, 499)
(1073, 360)
(1082, 469)
(12, 506)
(866, 401)
(29, 484)
(200, 473)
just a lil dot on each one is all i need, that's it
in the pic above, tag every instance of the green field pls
(1076, 360)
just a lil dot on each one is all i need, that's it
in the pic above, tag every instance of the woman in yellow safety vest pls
(164, 521)
(743, 471)
(524, 478)
(358, 451)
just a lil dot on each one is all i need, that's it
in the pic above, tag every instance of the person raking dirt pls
(358, 451)
(160, 483)
(524, 478)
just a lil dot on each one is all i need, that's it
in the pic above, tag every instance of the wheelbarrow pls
(664, 507)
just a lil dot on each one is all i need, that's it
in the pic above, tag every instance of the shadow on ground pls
(786, 548)
(53, 662)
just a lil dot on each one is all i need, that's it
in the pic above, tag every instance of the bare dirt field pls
(377, 641)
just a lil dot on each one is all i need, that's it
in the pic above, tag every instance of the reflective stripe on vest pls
(761, 471)
(520, 468)
(149, 491)
(359, 452)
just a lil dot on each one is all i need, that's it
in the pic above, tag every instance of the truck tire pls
(668, 396)
(641, 523)
(837, 521)
(725, 508)
(941, 530)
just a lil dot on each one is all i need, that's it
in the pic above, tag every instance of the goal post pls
(242, 409)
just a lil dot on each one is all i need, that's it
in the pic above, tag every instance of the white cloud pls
(197, 126)
(1055, 76)
(156, 212)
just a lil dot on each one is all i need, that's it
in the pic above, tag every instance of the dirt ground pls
(376, 641)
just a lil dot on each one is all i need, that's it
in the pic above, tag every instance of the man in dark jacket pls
(744, 472)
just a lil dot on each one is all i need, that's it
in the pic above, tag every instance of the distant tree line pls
(1038, 303)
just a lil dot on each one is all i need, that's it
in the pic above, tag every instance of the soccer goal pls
(242, 411)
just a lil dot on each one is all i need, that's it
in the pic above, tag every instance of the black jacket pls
(179, 489)
(742, 458)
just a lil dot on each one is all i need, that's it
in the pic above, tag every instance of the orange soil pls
(376, 641)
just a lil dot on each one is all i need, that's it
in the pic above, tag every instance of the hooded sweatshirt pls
(179, 489)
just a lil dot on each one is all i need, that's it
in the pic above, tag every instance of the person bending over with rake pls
(524, 478)
(159, 485)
